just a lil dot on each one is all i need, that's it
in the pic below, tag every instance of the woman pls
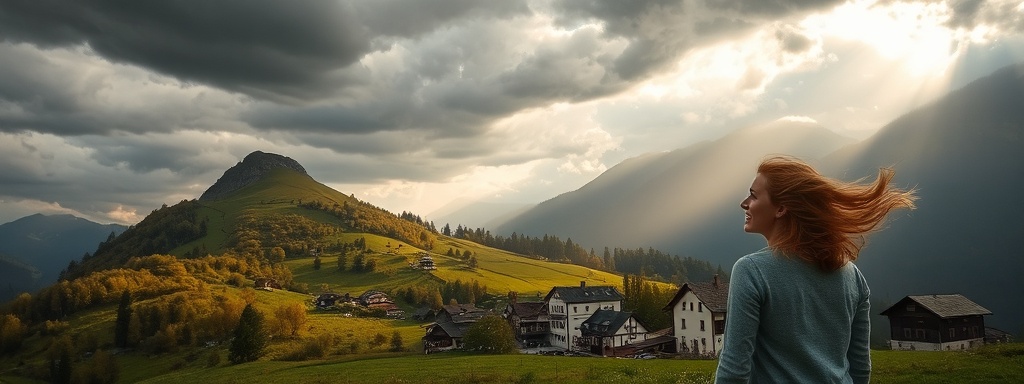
(798, 309)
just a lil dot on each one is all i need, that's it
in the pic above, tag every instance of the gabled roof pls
(454, 330)
(943, 306)
(528, 309)
(714, 294)
(461, 313)
(604, 322)
(584, 294)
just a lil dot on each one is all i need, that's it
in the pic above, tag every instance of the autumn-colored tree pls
(276, 255)
(290, 318)
(12, 332)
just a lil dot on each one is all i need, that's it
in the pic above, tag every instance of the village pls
(590, 321)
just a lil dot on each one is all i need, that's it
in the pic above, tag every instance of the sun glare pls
(912, 34)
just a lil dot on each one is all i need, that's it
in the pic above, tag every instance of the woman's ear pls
(780, 212)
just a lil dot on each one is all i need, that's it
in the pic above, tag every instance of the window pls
(691, 306)
(952, 333)
(906, 333)
(574, 309)
(684, 305)
(702, 325)
(911, 307)
(920, 333)
(700, 307)
(587, 308)
(683, 325)
(974, 331)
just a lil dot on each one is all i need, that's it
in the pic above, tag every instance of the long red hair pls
(826, 220)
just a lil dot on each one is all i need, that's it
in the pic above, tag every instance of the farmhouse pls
(327, 300)
(936, 322)
(569, 307)
(374, 297)
(610, 333)
(451, 323)
(698, 317)
(529, 321)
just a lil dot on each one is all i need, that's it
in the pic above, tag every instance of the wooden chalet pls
(450, 325)
(936, 322)
(423, 314)
(698, 317)
(374, 297)
(529, 321)
(327, 300)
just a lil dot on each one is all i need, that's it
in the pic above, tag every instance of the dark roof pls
(461, 313)
(584, 294)
(604, 322)
(714, 294)
(943, 306)
(453, 330)
(528, 309)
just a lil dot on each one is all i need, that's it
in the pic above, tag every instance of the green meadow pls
(992, 364)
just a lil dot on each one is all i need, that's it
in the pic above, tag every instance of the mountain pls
(39, 246)
(268, 202)
(965, 155)
(963, 152)
(667, 200)
(254, 167)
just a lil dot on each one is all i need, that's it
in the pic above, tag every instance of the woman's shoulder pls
(752, 260)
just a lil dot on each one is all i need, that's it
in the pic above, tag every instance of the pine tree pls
(250, 338)
(124, 320)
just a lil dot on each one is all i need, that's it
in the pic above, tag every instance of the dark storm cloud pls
(261, 47)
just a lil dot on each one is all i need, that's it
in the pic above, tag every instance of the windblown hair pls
(826, 220)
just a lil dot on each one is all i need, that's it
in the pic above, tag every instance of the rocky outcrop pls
(254, 167)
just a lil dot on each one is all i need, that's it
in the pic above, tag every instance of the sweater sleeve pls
(859, 354)
(741, 324)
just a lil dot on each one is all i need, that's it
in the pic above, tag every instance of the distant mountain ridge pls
(254, 167)
(644, 201)
(42, 245)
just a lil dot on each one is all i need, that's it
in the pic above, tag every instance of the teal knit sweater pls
(789, 322)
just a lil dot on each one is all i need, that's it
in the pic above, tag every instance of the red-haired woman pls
(798, 309)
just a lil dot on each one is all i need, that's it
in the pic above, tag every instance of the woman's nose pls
(744, 205)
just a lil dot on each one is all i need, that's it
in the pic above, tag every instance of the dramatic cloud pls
(109, 109)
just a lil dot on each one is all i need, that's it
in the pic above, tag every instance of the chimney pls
(583, 283)
(716, 281)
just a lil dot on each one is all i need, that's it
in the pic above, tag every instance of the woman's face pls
(760, 213)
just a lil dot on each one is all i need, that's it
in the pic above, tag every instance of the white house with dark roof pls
(698, 316)
(611, 333)
(569, 307)
(935, 323)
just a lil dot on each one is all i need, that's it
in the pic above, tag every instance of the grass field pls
(993, 364)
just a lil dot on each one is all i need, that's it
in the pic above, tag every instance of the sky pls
(110, 109)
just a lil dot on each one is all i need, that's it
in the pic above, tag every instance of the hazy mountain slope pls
(965, 154)
(48, 243)
(664, 199)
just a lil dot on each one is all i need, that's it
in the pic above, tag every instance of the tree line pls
(649, 263)
(364, 217)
